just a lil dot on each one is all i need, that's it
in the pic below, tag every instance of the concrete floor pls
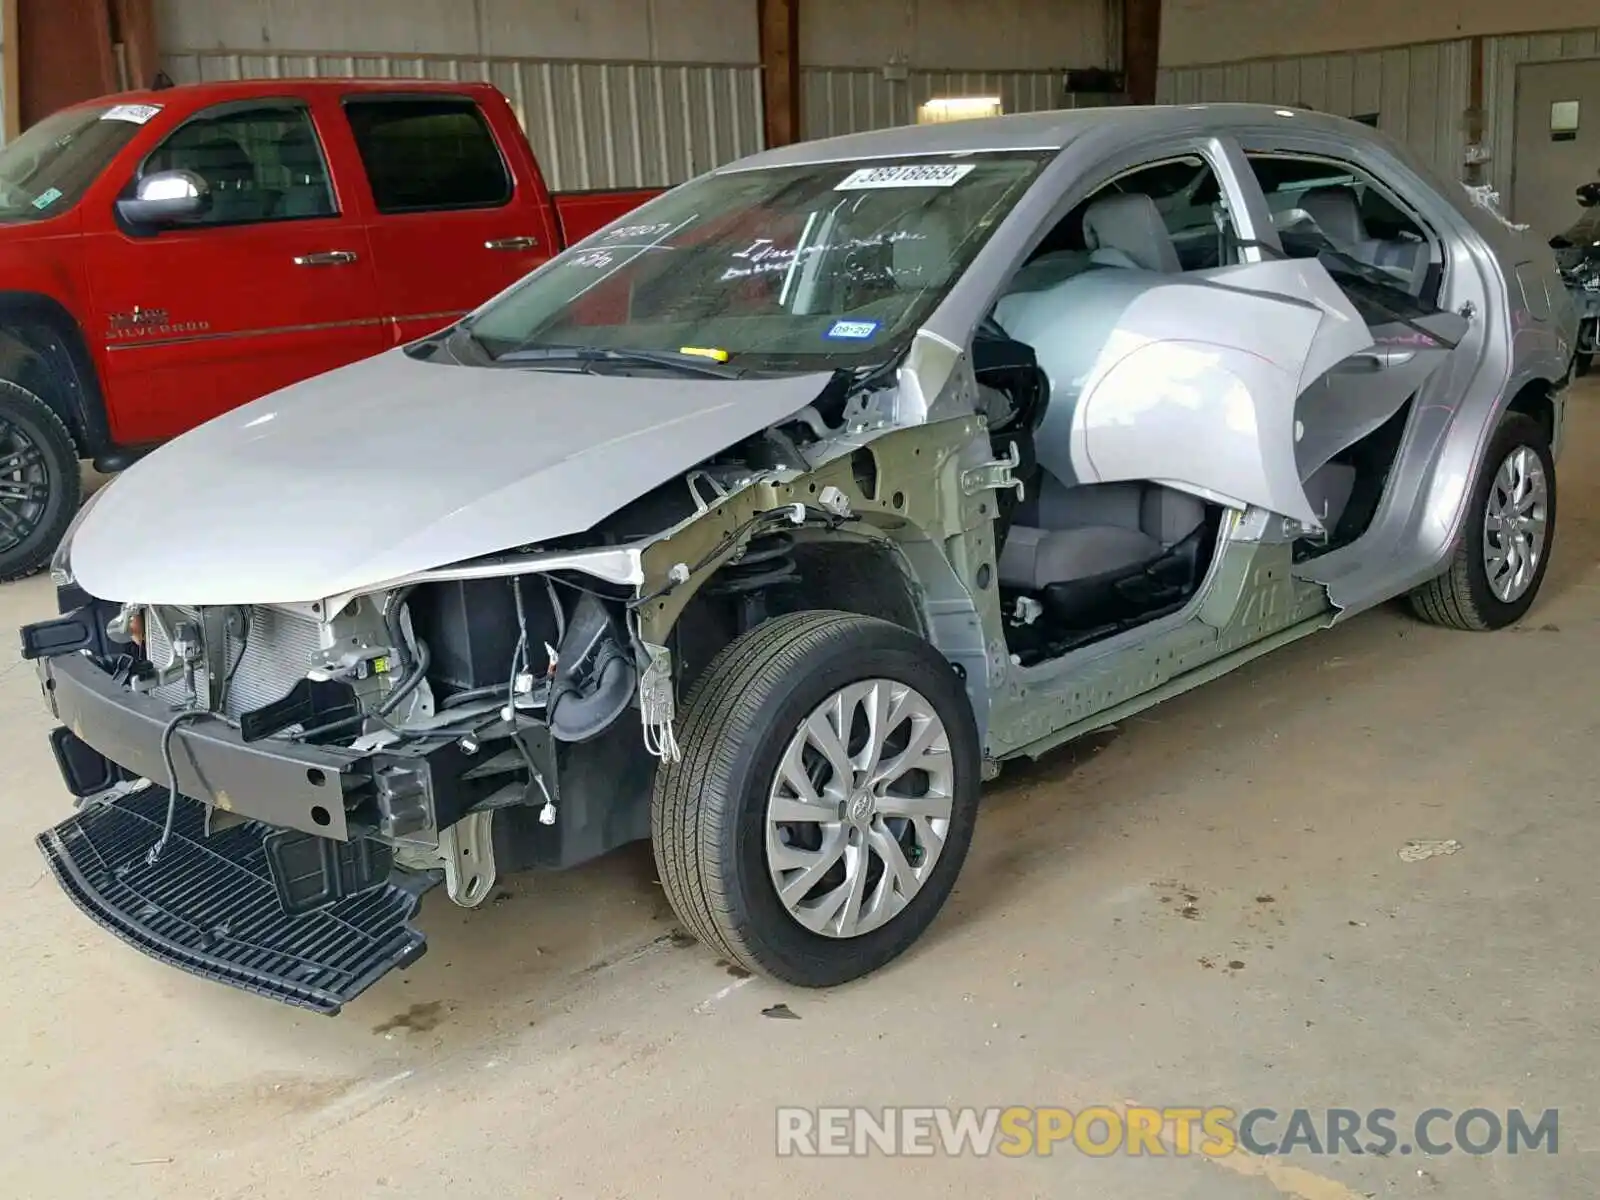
(561, 1042)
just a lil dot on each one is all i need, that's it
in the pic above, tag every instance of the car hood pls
(394, 465)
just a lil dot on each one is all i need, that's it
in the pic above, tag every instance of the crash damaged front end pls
(266, 792)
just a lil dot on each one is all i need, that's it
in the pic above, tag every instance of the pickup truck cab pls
(166, 256)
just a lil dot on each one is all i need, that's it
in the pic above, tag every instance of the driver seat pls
(1102, 553)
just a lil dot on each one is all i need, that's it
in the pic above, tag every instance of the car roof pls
(1043, 131)
(222, 91)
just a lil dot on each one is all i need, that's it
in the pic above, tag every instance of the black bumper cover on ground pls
(209, 905)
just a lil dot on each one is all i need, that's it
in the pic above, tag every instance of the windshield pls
(47, 170)
(802, 268)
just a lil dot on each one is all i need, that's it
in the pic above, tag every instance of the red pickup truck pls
(168, 255)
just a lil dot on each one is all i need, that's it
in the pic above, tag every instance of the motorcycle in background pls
(1578, 258)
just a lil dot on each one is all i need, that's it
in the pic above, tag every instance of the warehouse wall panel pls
(1502, 56)
(1420, 93)
(593, 124)
(837, 101)
(1211, 31)
(997, 35)
(721, 31)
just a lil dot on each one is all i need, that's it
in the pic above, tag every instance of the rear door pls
(272, 285)
(452, 222)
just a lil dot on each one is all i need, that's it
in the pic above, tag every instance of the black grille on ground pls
(209, 906)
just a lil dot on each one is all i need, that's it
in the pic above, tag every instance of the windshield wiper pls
(685, 364)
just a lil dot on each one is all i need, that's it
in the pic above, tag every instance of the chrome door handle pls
(524, 242)
(325, 258)
(1378, 360)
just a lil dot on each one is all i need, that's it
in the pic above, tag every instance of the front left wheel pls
(40, 487)
(825, 797)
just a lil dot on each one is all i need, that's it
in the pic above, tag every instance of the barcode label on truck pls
(918, 175)
(137, 113)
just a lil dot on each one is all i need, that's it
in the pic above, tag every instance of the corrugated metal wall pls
(592, 124)
(838, 100)
(1420, 93)
(1502, 56)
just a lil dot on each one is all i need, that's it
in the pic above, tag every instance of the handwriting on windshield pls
(764, 256)
(626, 232)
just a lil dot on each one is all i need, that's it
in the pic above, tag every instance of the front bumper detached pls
(210, 905)
(282, 890)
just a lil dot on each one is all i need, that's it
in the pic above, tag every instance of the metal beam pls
(779, 25)
(1141, 49)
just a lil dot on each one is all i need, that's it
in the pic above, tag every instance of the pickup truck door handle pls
(523, 242)
(325, 258)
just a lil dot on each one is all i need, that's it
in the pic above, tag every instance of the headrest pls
(1132, 224)
(1337, 214)
(297, 149)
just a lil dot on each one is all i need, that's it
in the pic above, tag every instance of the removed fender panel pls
(1182, 379)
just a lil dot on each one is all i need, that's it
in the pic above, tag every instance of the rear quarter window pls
(428, 154)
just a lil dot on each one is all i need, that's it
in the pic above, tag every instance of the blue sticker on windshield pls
(46, 198)
(852, 331)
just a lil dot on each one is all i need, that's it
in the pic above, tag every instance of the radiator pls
(278, 650)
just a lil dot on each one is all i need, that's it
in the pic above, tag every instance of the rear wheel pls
(825, 798)
(40, 487)
(1504, 549)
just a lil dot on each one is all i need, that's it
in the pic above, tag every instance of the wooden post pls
(134, 22)
(779, 26)
(11, 67)
(64, 55)
(1141, 49)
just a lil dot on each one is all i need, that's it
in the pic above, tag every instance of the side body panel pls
(433, 266)
(44, 342)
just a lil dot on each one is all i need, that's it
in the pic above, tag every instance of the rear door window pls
(428, 154)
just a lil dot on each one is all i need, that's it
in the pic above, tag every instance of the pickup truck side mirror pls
(166, 198)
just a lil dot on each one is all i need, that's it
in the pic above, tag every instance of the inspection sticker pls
(916, 175)
(854, 331)
(137, 113)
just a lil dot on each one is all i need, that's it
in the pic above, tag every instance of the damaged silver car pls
(770, 522)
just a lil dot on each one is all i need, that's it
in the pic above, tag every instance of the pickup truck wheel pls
(40, 487)
(1504, 548)
(825, 797)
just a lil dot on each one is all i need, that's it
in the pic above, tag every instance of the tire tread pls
(687, 805)
(15, 396)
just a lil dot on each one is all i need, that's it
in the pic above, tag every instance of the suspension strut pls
(767, 561)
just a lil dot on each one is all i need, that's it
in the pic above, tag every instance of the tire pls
(710, 817)
(39, 457)
(1463, 597)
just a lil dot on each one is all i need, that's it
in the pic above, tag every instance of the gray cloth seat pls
(1094, 530)
(1337, 214)
(1127, 230)
(305, 193)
